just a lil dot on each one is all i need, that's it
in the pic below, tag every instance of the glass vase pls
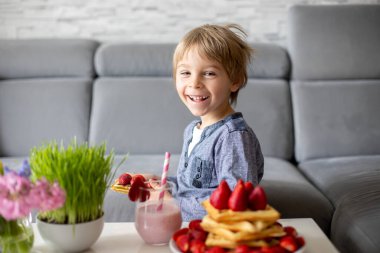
(16, 236)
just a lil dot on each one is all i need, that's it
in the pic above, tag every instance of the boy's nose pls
(195, 82)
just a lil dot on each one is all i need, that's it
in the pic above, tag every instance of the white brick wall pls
(146, 20)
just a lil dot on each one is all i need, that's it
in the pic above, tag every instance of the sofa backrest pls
(45, 92)
(335, 80)
(266, 103)
(136, 109)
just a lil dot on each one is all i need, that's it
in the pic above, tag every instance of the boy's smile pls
(198, 98)
(204, 87)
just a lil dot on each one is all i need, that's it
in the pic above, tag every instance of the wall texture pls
(146, 20)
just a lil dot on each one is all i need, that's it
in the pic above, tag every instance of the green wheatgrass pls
(83, 171)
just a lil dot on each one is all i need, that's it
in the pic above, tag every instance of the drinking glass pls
(156, 220)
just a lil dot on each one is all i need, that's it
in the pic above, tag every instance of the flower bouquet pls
(18, 197)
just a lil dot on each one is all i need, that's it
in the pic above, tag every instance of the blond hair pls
(222, 43)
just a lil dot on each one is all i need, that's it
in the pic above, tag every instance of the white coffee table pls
(123, 237)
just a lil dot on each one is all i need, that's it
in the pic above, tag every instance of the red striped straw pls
(163, 181)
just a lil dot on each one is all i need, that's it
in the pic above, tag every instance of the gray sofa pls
(313, 106)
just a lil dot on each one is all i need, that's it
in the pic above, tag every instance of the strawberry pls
(289, 230)
(183, 242)
(242, 249)
(215, 249)
(198, 235)
(219, 197)
(289, 243)
(144, 194)
(125, 179)
(255, 250)
(257, 200)
(238, 198)
(195, 224)
(273, 249)
(300, 241)
(197, 246)
(134, 191)
(182, 231)
(134, 177)
(248, 187)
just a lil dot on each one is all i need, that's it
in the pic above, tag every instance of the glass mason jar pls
(16, 236)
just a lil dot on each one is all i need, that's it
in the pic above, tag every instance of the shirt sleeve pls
(173, 179)
(239, 156)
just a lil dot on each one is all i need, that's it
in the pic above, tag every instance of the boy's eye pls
(184, 73)
(209, 73)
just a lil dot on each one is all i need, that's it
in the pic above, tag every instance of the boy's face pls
(204, 87)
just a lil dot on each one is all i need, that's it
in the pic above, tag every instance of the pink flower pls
(18, 195)
(14, 196)
(50, 196)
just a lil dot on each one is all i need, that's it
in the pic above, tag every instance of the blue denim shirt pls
(228, 149)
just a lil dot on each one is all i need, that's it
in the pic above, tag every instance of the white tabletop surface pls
(123, 237)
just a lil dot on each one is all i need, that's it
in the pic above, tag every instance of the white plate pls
(174, 249)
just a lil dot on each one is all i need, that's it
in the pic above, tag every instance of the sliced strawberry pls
(255, 250)
(242, 249)
(219, 197)
(238, 198)
(273, 249)
(125, 179)
(182, 231)
(289, 243)
(198, 234)
(183, 242)
(289, 230)
(195, 224)
(134, 177)
(248, 187)
(215, 249)
(257, 200)
(134, 191)
(197, 246)
(300, 241)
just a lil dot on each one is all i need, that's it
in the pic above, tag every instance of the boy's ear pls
(235, 86)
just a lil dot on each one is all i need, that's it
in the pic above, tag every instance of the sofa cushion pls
(352, 185)
(343, 177)
(336, 118)
(46, 58)
(266, 106)
(33, 111)
(124, 59)
(334, 42)
(356, 223)
(293, 195)
(138, 115)
(269, 61)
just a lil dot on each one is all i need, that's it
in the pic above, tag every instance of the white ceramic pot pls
(71, 238)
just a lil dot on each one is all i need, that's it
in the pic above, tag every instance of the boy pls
(209, 68)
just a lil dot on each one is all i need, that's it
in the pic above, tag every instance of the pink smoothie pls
(157, 227)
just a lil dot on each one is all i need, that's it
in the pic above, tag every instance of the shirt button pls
(185, 165)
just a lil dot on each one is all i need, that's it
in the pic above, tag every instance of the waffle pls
(228, 229)
(120, 188)
(270, 214)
